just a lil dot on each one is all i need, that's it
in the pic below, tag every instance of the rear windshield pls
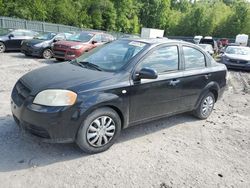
(81, 37)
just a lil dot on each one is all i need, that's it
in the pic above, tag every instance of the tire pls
(47, 53)
(2, 47)
(205, 106)
(91, 132)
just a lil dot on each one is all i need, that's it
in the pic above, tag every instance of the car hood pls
(238, 57)
(62, 76)
(3, 37)
(34, 41)
(71, 43)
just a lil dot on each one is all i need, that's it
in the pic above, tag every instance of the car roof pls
(157, 40)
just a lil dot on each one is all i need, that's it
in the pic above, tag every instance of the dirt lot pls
(180, 151)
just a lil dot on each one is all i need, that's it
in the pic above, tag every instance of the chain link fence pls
(16, 23)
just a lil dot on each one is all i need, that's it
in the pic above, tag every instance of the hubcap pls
(47, 54)
(207, 106)
(2, 47)
(101, 131)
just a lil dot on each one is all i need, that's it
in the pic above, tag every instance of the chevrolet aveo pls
(92, 98)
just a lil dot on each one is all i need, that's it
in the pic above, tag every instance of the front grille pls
(20, 93)
(38, 131)
(60, 46)
(59, 53)
(238, 61)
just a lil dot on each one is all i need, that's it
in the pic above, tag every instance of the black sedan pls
(236, 57)
(11, 40)
(41, 45)
(126, 82)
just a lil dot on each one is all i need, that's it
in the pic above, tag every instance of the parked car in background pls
(223, 42)
(12, 39)
(237, 57)
(208, 48)
(222, 50)
(211, 41)
(79, 43)
(120, 84)
(40, 45)
(197, 39)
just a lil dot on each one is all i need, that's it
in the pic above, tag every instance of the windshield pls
(238, 50)
(45, 36)
(81, 37)
(113, 56)
(4, 31)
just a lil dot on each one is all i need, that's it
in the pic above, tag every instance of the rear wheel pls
(2, 47)
(47, 54)
(99, 131)
(205, 107)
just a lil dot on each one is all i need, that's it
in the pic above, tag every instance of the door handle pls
(174, 82)
(207, 76)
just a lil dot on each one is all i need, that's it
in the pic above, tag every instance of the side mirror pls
(147, 73)
(94, 42)
(10, 36)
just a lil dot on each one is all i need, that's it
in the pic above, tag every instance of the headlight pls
(55, 97)
(76, 47)
(39, 44)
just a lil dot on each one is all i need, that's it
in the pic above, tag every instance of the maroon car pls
(79, 43)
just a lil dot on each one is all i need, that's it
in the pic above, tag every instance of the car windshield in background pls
(81, 37)
(112, 56)
(238, 50)
(4, 31)
(45, 36)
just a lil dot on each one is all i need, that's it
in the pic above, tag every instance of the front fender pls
(92, 101)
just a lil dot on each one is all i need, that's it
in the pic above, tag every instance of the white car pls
(208, 48)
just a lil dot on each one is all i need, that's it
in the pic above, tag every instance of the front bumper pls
(51, 124)
(66, 54)
(239, 66)
(32, 50)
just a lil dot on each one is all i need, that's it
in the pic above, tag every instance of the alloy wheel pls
(47, 54)
(207, 105)
(101, 131)
(2, 47)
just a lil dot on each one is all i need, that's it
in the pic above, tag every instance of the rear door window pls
(193, 58)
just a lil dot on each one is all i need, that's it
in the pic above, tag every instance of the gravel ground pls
(180, 151)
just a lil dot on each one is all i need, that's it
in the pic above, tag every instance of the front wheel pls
(99, 130)
(2, 47)
(47, 54)
(205, 107)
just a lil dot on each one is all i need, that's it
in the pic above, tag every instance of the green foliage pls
(221, 18)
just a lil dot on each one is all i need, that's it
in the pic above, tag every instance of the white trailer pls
(242, 39)
(152, 33)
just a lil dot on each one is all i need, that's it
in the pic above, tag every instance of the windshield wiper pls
(87, 64)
